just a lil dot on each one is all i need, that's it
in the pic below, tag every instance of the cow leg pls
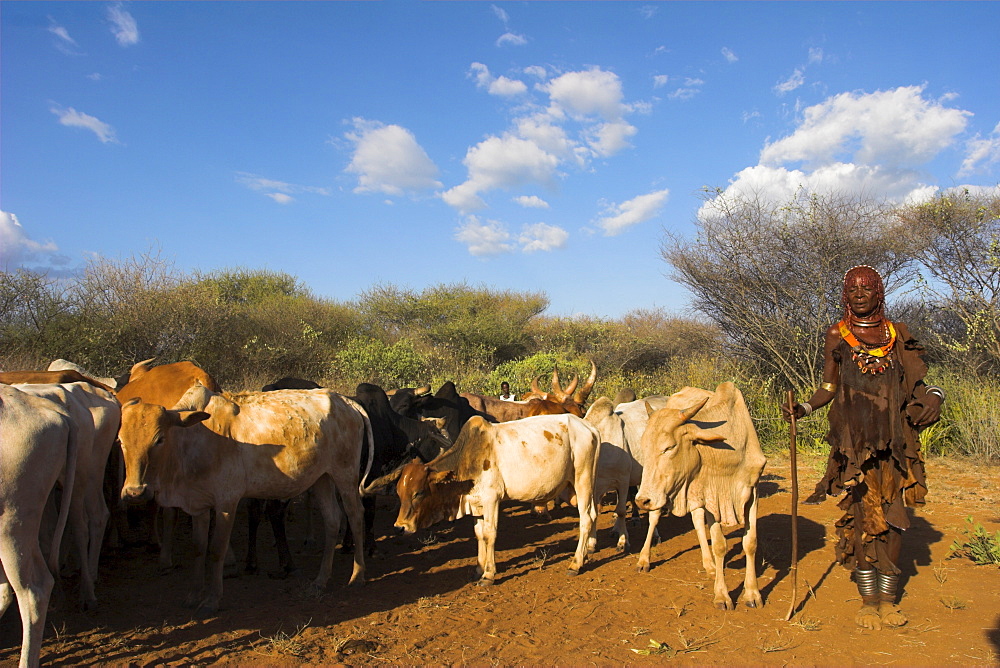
(199, 532)
(98, 516)
(325, 496)
(351, 499)
(722, 600)
(275, 511)
(255, 509)
(486, 533)
(751, 593)
(218, 548)
(166, 538)
(707, 560)
(81, 535)
(30, 579)
(621, 528)
(643, 563)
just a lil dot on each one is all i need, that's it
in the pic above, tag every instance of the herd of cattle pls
(71, 445)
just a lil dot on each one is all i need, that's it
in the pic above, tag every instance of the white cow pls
(617, 469)
(38, 448)
(531, 460)
(97, 415)
(702, 457)
(262, 445)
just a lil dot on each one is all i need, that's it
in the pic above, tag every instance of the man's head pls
(504, 387)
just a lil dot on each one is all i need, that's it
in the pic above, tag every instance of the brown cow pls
(49, 378)
(702, 456)
(264, 445)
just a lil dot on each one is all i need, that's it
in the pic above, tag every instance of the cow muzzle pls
(137, 494)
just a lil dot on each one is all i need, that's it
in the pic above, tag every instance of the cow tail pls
(370, 437)
(72, 454)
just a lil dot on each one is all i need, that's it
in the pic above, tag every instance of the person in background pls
(505, 394)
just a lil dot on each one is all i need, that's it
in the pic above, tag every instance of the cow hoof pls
(642, 567)
(724, 605)
(485, 582)
(88, 605)
(572, 571)
(753, 600)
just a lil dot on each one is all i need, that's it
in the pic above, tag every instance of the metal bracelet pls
(933, 389)
(829, 387)
(806, 407)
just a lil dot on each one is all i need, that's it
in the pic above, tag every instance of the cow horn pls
(421, 391)
(571, 388)
(141, 367)
(691, 411)
(581, 395)
(556, 387)
(534, 385)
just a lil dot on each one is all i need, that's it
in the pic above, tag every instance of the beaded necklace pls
(869, 359)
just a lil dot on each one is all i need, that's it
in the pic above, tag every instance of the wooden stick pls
(794, 569)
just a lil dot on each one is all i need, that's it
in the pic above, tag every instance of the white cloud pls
(619, 217)
(280, 191)
(531, 202)
(512, 39)
(895, 127)
(683, 93)
(728, 54)
(75, 119)
(123, 25)
(16, 249)
(501, 86)
(981, 151)
(583, 119)
(815, 55)
(859, 143)
(500, 13)
(388, 159)
(500, 162)
(586, 93)
(61, 32)
(489, 238)
(607, 139)
(542, 237)
(536, 71)
(660, 80)
(796, 79)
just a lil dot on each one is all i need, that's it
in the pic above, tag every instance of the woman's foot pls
(891, 615)
(868, 617)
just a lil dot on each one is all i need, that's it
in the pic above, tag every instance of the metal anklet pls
(887, 584)
(868, 582)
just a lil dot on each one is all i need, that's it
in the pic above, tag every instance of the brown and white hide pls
(531, 460)
(96, 415)
(264, 445)
(702, 457)
(39, 448)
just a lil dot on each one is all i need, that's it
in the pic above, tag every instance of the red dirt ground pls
(418, 607)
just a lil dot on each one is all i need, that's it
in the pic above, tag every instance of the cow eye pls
(669, 448)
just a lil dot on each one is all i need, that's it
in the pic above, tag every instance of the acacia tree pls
(959, 248)
(769, 274)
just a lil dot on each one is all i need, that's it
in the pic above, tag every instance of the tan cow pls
(264, 445)
(531, 460)
(702, 457)
(38, 448)
(49, 377)
(66, 365)
(617, 469)
(96, 416)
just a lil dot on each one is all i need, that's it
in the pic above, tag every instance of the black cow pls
(398, 439)
(446, 403)
(290, 383)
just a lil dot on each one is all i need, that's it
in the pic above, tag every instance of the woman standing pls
(873, 372)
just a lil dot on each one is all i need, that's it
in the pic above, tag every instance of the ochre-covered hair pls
(864, 275)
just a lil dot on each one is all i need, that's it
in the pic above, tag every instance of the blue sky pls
(515, 145)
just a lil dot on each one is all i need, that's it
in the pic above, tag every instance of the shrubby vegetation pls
(766, 281)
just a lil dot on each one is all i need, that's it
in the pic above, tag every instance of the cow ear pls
(132, 402)
(190, 418)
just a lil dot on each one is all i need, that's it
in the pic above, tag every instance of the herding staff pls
(795, 510)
